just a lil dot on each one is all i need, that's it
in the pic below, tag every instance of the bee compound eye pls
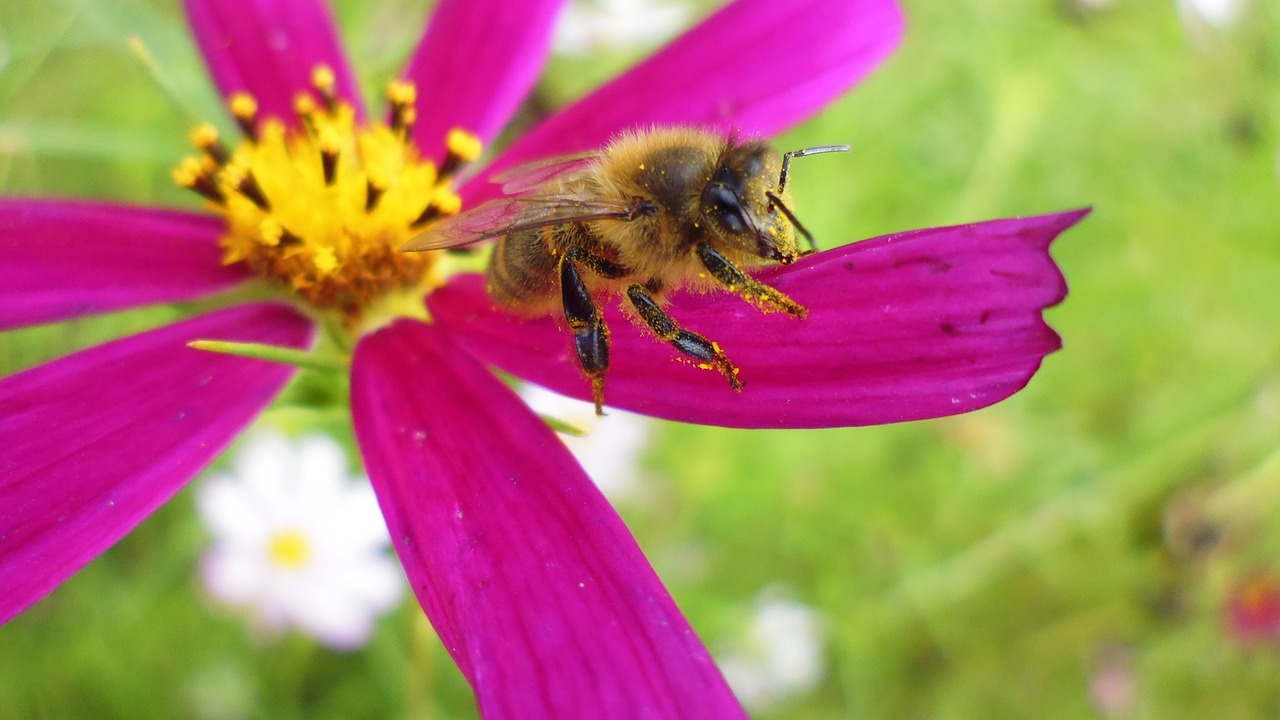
(725, 207)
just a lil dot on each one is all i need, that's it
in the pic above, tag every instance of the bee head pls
(740, 207)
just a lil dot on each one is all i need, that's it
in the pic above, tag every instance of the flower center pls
(320, 209)
(289, 549)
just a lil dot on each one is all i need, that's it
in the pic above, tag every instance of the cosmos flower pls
(782, 653)
(529, 577)
(1216, 14)
(1253, 610)
(297, 543)
(587, 27)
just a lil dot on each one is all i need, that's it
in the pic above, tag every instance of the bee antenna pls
(776, 201)
(804, 152)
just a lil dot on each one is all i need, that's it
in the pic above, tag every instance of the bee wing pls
(521, 179)
(506, 216)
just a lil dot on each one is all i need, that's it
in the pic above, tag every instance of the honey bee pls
(651, 212)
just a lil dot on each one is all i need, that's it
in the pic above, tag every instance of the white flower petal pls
(610, 449)
(235, 577)
(321, 467)
(229, 511)
(299, 543)
(781, 654)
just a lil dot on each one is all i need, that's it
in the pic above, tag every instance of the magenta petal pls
(268, 49)
(96, 441)
(63, 259)
(529, 576)
(903, 327)
(475, 64)
(757, 66)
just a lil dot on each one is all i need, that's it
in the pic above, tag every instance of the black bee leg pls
(706, 354)
(753, 291)
(598, 265)
(590, 334)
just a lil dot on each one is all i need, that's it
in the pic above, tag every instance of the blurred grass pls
(975, 567)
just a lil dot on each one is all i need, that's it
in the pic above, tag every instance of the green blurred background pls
(1011, 563)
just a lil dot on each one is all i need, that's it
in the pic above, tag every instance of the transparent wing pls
(506, 216)
(521, 179)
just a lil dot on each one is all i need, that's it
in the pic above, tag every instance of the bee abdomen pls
(522, 269)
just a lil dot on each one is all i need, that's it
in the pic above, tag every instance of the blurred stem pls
(1251, 497)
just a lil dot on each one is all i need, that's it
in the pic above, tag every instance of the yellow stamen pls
(463, 144)
(323, 80)
(320, 211)
(464, 147)
(244, 108)
(400, 92)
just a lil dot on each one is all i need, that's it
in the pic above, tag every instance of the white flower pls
(610, 449)
(1218, 14)
(297, 543)
(586, 27)
(782, 653)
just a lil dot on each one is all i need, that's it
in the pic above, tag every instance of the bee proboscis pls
(651, 212)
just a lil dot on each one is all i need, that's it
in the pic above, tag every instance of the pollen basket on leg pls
(318, 204)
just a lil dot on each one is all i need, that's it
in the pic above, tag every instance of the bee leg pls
(598, 265)
(748, 288)
(590, 334)
(708, 355)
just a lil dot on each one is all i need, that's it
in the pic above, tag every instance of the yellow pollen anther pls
(400, 92)
(318, 204)
(304, 104)
(243, 105)
(448, 203)
(463, 144)
(204, 135)
(322, 78)
(245, 110)
(187, 172)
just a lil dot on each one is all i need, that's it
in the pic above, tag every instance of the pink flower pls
(1253, 610)
(531, 580)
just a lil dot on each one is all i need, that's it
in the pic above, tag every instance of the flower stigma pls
(319, 209)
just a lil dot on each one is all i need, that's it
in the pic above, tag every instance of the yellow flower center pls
(289, 549)
(319, 209)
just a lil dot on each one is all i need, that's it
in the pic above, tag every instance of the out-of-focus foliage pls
(1070, 553)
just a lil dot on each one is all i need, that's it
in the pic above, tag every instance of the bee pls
(651, 212)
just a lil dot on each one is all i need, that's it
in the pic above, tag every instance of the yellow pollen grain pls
(289, 549)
